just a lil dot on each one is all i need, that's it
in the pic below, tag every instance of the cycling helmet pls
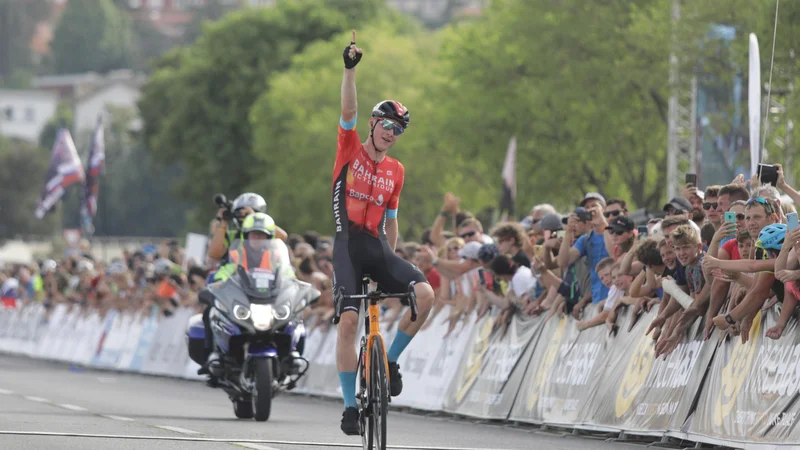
(252, 200)
(258, 222)
(771, 236)
(391, 109)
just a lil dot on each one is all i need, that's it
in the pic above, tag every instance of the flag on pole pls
(97, 158)
(64, 171)
(509, 198)
(754, 105)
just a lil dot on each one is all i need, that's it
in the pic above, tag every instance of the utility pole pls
(682, 117)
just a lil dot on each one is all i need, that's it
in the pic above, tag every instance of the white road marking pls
(107, 380)
(73, 407)
(254, 446)
(6, 392)
(223, 440)
(37, 399)
(177, 429)
(121, 418)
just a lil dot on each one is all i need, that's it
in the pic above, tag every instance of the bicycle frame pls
(372, 330)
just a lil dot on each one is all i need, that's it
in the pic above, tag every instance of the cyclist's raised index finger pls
(353, 40)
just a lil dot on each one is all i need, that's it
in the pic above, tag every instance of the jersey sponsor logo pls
(362, 197)
(362, 172)
(336, 214)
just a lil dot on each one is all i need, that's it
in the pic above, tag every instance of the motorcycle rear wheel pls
(262, 389)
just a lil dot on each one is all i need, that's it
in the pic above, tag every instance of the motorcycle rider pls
(257, 250)
(227, 232)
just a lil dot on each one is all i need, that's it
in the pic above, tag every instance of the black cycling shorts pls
(360, 254)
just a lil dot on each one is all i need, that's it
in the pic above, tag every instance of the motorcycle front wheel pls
(262, 389)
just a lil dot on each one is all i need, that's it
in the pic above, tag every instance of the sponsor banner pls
(168, 353)
(489, 376)
(322, 377)
(752, 388)
(649, 395)
(564, 372)
(430, 362)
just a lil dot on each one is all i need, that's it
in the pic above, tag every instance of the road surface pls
(45, 405)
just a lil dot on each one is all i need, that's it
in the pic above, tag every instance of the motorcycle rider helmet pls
(771, 237)
(258, 222)
(249, 199)
(391, 109)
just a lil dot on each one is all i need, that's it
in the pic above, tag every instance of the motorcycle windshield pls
(262, 264)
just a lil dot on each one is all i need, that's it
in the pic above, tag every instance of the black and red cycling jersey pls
(365, 193)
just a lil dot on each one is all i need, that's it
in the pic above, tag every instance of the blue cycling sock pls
(348, 381)
(401, 341)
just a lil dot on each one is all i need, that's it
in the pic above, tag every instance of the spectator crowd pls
(719, 255)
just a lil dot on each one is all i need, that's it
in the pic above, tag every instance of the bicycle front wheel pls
(379, 393)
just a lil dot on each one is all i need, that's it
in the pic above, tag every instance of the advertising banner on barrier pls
(647, 395)
(752, 388)
(492, 368)
(565, 367)
(430, 362)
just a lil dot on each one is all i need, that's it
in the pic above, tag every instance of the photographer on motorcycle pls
(257, 249)
(228, 219)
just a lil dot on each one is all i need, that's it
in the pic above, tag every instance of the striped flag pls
(509, 199)
(64, 171)
(97, 158)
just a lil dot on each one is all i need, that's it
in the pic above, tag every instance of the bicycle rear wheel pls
(379, 393)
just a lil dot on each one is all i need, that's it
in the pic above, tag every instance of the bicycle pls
(373, 365)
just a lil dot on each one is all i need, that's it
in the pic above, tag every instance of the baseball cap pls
(471, 250)
(578, 210)
(550, 222)
(678, 203)
(488, 252)
(621, 223)
(593, 196)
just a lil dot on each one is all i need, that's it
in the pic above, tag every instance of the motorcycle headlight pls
(282, 312)
(263, 316)
(241, 312)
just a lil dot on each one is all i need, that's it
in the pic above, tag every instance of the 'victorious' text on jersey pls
(363, 191)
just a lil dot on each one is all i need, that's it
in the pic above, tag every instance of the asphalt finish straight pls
(46, 405)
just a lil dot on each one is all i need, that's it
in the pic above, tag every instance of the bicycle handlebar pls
(411, 296)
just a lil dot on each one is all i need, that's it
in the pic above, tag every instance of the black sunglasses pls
(619, 232)
(467, 234)
(614, 213)
(708, 206)
(740, 216)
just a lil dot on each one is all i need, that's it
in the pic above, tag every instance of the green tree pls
(93, 35)
(195, 106)
(22, 172)
(18, 19)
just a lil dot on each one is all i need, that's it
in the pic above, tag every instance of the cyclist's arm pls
(391, 232)
(349, 102)
(393, 205)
